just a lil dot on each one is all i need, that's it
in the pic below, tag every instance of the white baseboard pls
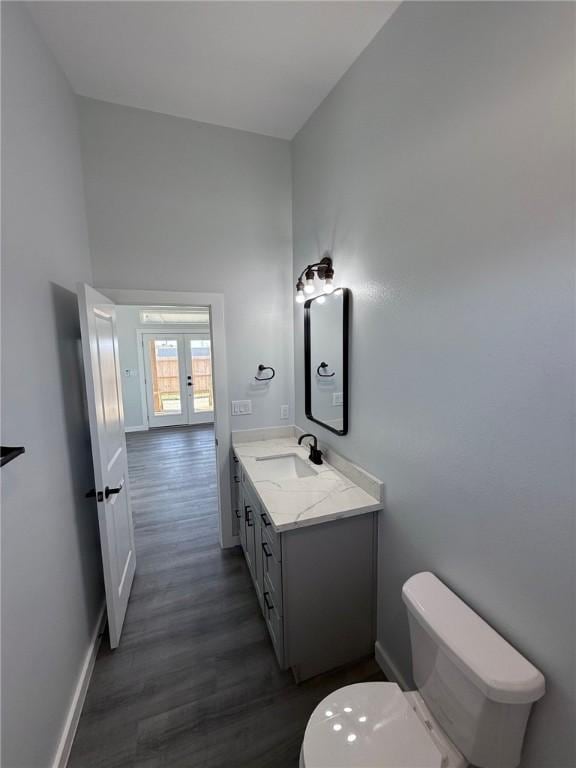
(73, 716)
(390, 669)
(141, 428)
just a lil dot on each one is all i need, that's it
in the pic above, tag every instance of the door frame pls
(215, 303)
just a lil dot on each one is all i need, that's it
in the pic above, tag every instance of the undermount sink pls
(289, 466)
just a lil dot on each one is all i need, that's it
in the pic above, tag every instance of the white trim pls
(140, 428)
(215, 301)
(387, 666)
(77, 703)
(142, 378)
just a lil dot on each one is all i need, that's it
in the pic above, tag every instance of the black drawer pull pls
(236, 479)
(265, 520)
(247, 513)
(265, 549)
(235, 459)
(270, 607)
(237, 513)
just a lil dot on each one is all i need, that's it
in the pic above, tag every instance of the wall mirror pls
(326, 359)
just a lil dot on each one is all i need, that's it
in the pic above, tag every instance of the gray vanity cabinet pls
(316, 585)
(236, 501)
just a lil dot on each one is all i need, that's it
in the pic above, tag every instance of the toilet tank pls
(475, 684)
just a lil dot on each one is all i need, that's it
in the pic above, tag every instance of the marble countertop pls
(300, 501)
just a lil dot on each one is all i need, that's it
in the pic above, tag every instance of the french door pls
(179, 387)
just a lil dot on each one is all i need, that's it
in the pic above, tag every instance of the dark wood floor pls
(194, 682)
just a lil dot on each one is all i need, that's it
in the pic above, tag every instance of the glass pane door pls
(199, 375)
(164, 373)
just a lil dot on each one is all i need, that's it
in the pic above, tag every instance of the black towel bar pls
(265, 368)
(324, 375)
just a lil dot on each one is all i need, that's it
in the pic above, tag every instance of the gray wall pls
(51, 582)
(179, 205)
(128, 323)
(439, 171)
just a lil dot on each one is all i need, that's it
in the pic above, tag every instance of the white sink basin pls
(289, 466)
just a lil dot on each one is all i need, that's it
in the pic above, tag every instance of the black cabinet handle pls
(236, 479)
(265, 549)
(112, 491)
(265, 520)
(270, 607)
(247, 513)
(237, 513)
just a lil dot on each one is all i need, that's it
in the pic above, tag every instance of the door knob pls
(111, 491)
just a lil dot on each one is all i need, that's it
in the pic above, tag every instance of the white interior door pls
(199, 380)
(106, 414)
(164, 360)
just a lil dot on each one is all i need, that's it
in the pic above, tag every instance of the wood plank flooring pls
(194, 682)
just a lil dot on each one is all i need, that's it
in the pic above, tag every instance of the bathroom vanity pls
(308, 534)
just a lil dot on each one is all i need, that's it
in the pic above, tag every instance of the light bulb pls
(299, 296)
(328, 285)
(309, 285)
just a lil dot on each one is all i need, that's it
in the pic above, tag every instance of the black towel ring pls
(324, 375)
(265, 368)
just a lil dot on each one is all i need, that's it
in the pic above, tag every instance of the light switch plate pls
(241, 407)
(284, 411)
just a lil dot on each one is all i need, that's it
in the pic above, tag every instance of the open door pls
(106, 414)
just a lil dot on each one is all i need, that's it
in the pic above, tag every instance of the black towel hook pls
(265, 368)
(324, 375)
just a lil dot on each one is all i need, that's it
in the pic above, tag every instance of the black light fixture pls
(305, 283)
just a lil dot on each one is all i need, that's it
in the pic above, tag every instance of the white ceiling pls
(257, 66)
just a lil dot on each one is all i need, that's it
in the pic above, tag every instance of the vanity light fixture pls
(306, 284)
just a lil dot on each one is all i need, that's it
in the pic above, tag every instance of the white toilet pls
(474, 696)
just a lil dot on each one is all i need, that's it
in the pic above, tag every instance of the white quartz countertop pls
(300, 501)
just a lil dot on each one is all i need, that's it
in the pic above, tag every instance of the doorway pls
(169, 473)
(178, 378)
(212, 305)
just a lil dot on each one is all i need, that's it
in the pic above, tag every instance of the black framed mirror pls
(326, 319)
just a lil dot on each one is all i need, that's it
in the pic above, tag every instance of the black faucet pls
(315, 454)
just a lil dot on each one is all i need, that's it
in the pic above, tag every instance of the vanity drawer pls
(270, 535)
(275, 626)
(272, 574)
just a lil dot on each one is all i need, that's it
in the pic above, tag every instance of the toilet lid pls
(368, 725)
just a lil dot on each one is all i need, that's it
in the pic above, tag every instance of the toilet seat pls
(367, 725)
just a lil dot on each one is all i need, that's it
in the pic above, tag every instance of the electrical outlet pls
(284, 411)
(241, 407)
(338, 398)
